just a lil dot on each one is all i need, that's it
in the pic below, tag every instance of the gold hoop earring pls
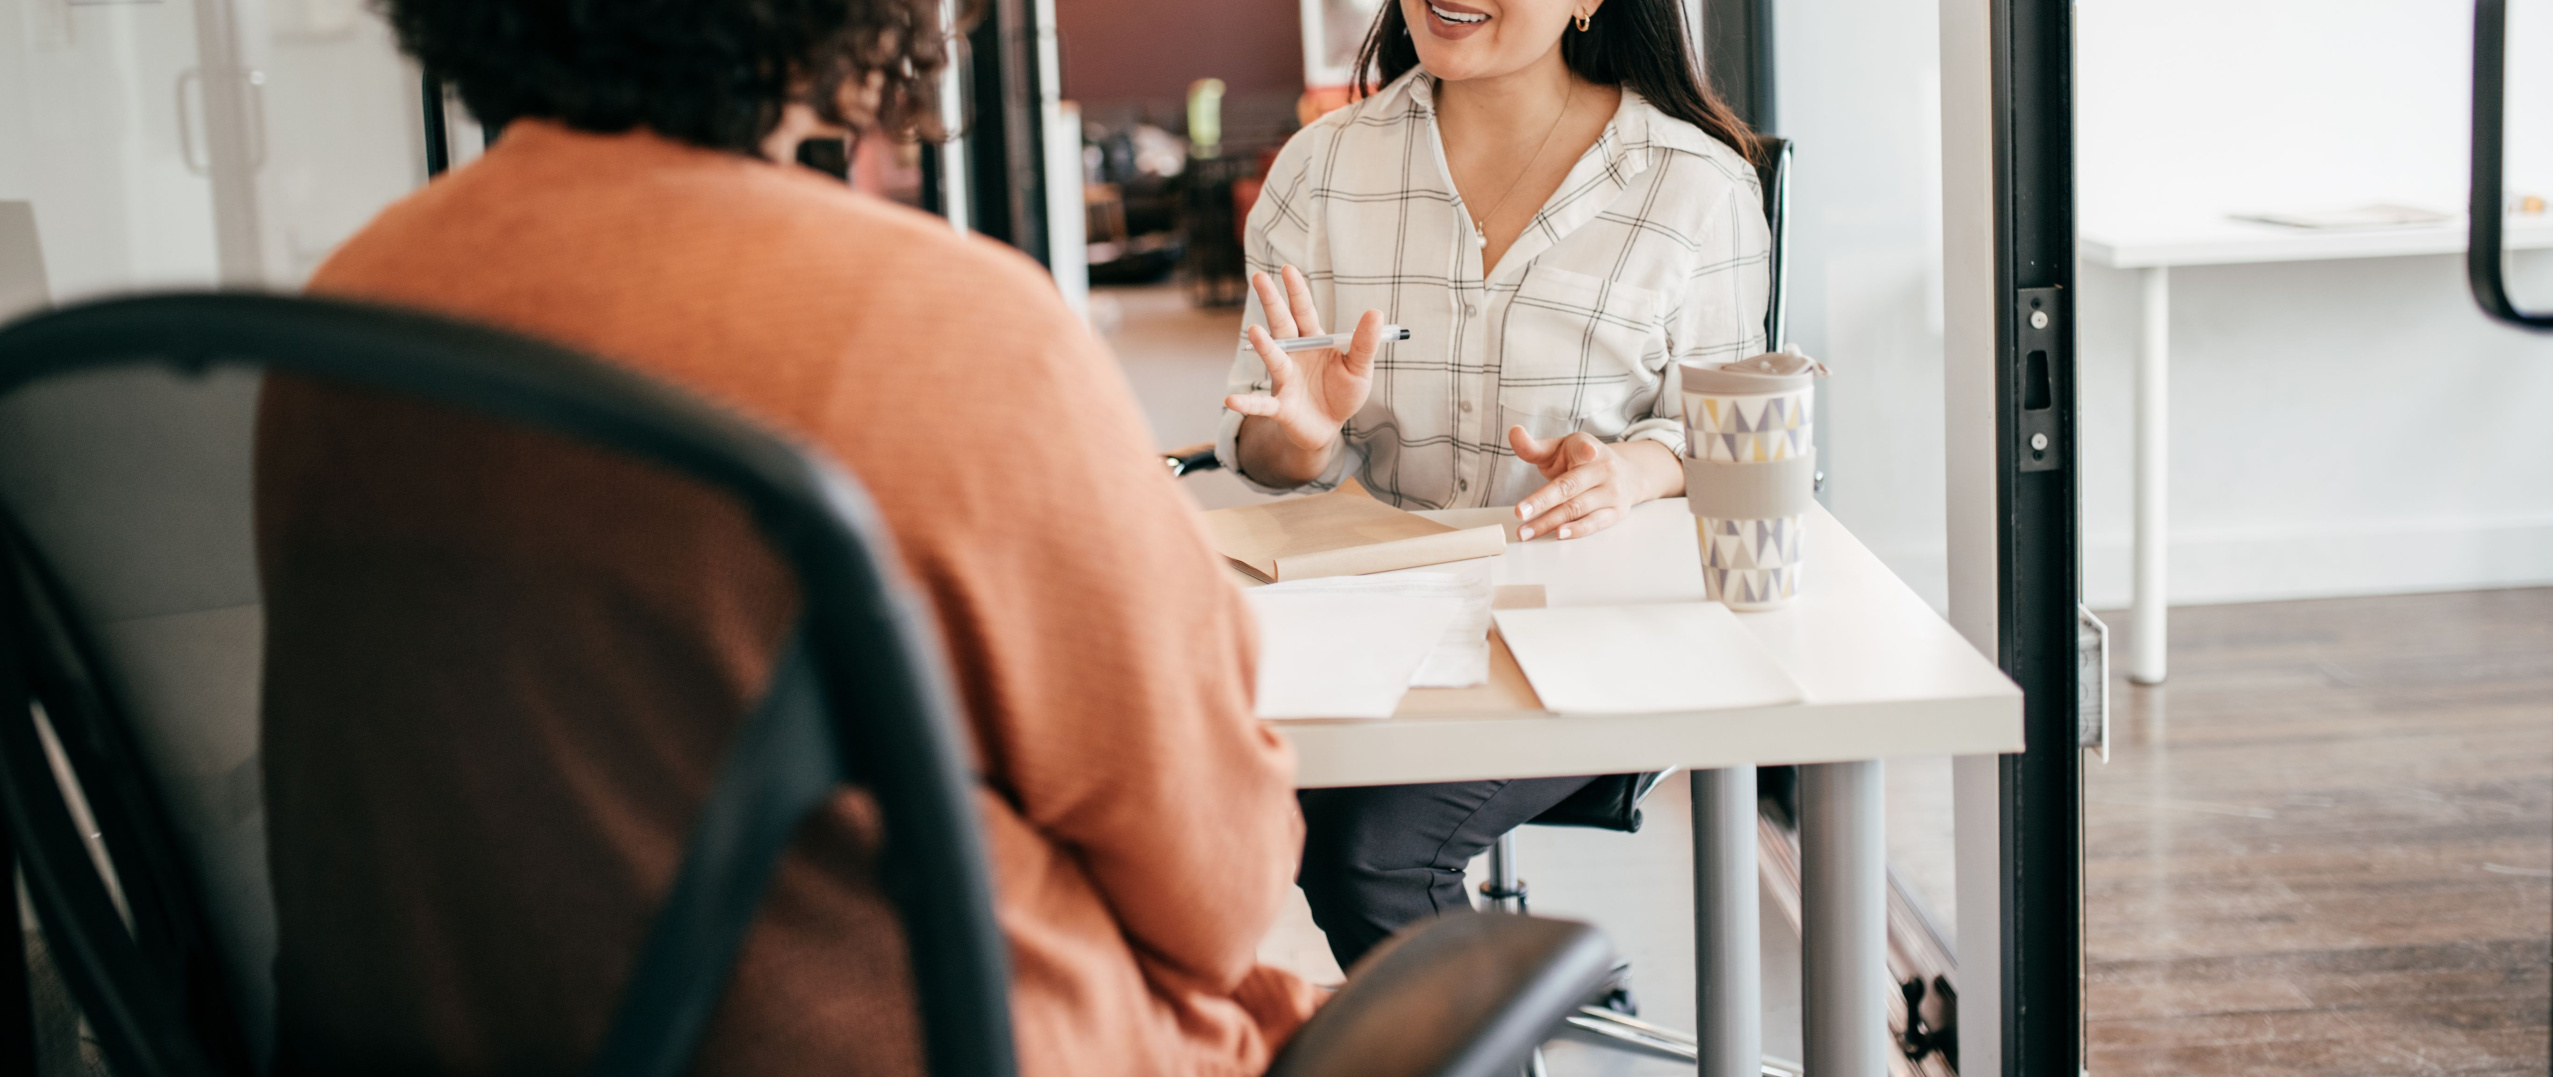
(1582, 24)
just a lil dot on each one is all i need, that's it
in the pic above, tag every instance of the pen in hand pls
(1338, 341)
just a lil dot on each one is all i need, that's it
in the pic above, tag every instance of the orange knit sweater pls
(464, 866)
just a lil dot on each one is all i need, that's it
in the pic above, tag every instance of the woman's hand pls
(1289, 432)
(1592, 484)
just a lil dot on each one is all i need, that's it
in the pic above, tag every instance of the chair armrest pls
(1193, 458)
(1460, 996)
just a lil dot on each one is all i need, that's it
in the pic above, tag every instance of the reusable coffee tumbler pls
(1750, 470)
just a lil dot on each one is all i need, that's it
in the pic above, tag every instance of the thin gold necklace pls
(1480, 224)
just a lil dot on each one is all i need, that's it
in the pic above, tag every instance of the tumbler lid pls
(1771, 372)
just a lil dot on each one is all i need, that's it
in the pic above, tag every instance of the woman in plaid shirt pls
(1552, 201)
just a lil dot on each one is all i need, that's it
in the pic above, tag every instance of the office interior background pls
(2325, 843)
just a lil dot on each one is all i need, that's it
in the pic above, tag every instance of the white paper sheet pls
(1334, 654)
(2353, 218)
(1461, 658)
(1683, 656)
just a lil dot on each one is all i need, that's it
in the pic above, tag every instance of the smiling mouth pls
(1458, 18)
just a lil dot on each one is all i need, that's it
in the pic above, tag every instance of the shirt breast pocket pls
(1577, 349)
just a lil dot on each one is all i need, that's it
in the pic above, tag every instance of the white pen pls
(1339, 341)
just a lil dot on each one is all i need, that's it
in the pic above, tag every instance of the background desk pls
(1881, 676)
(2153, 249)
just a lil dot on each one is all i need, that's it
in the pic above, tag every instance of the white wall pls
(347, 128)
(2209, 106)
(2338, 428)
(88, 134)
(2344, 427)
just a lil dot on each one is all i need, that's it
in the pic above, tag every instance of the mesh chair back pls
(144, 472)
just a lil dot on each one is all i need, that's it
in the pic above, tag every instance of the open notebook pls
(1341, 533)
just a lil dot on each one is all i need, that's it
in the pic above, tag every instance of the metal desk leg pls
(2153, 467)
(1728, 964)
(1843, 920)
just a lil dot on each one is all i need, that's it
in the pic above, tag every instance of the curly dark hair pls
(710, 72)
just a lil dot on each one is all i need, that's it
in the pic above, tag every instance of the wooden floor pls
(2326, 846)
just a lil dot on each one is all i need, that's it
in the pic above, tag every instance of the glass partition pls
(189, 143)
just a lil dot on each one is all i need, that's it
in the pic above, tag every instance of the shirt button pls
(1470, 310)
(1467, 407)
(1463, 484)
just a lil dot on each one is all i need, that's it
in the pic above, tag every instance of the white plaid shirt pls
(1653, 250)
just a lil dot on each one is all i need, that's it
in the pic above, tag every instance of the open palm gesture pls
(1310, 394)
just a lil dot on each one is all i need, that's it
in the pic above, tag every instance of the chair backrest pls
(1774, 171)
(134, 633)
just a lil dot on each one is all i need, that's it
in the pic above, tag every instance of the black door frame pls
(2038, 551)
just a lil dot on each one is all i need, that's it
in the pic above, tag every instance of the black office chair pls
(131, 622)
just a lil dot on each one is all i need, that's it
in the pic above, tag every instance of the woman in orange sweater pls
(463, 871)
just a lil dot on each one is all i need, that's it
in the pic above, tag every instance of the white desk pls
(2153, 248)
(1882, 676)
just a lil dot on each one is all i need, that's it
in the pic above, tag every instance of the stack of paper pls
(1460, 658)
(1670, 657)
(1343, 654)
(1341, 533)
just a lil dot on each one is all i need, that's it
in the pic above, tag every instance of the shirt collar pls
(1628, 147)
(1643, 126)
(1636, 127)
(1416, 85)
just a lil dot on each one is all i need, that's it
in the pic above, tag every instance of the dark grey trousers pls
(1379, 858)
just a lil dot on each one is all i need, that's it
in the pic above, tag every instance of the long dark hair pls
(1639, 45)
